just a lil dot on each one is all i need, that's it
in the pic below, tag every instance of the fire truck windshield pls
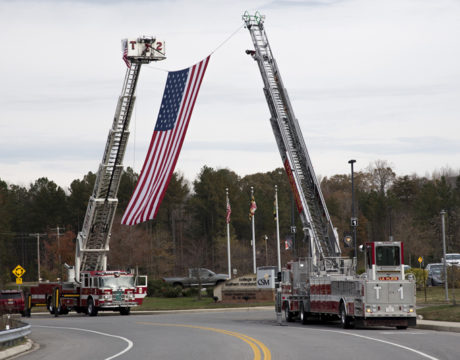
(387, 256)
(117, 282)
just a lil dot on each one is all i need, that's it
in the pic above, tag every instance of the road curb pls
(16, 350)
(438, 327)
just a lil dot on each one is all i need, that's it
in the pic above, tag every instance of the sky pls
(368, 80)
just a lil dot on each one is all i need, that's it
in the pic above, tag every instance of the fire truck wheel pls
(345, 320)
(303, 315)
(49, 305)
(92, 311)
(287, 313)
(125, 311)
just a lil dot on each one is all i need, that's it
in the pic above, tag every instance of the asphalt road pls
(243, 334)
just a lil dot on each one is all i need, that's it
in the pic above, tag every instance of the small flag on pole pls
(229, 211)
(176, 109)
(124, 46)
(288, 243)
(252, 208)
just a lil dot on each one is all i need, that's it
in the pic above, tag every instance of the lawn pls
(436, 295)
(440, 313)
(184, 303)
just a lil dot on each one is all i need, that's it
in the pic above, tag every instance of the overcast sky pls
(367, 79)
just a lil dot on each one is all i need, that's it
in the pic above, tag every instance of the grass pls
(441, 313)
(436, 295)
(185, 303)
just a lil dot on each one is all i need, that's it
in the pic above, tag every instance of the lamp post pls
(446, 288)
(354, 220)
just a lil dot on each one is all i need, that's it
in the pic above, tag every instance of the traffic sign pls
(18, 281)
(354, 222)
(420, 259)
(18, 271)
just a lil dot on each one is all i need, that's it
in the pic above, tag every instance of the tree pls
(47, 206)
(80, 192)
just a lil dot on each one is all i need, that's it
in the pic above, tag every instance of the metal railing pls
(12, 330)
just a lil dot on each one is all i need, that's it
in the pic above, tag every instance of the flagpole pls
(277, 228)
(228, 237)
(253, 235)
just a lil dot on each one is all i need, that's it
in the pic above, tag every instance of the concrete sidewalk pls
(438, 325)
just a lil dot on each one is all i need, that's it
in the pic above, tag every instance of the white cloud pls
(367, 80)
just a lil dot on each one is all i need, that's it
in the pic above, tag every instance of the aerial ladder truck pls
(324, 284)
(90, 286)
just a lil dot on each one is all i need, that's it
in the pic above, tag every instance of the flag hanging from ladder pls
(176, 109)
(124, 46)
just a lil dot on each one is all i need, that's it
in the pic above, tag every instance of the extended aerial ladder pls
(310, 203)
(92, 244)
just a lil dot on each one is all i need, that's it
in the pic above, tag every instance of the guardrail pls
(13, 331)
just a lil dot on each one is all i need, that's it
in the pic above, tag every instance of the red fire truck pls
(90, 286)
(324, 284)
(98, 291)
(381, 296)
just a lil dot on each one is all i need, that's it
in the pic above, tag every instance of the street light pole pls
(446, 287)
(354, 221)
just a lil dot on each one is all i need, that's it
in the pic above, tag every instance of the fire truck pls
(90, 286)
(324, 284)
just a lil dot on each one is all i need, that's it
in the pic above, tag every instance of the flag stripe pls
(165, 145)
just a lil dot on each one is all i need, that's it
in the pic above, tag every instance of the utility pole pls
(38, 253)
(446, 287)
(58, 234)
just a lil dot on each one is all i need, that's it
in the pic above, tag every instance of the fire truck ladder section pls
(92, 245)
(310, 203)
(93, 241)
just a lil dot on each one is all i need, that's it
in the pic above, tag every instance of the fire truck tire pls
(125, 311)
(49, 305)
(287, 314)
(303, 315)
(92, 310)
(345, 320)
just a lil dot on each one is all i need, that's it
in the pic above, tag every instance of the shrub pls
(154, 287)
(189, 292)
(421, 275)
(170, 291)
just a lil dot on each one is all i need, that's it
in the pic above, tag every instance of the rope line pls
(212, 52)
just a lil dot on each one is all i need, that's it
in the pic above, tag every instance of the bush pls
(421, 275)
(170, 291)
(154, 287)
(189, 292)
(210, 292)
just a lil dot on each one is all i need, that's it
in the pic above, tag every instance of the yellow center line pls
(253, 343)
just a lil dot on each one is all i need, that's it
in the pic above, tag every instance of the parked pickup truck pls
(12, 302)
(207, 277)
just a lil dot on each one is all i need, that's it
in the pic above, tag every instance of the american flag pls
(229, 211)
(252, 208)
(176, 109)
(125, 52)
